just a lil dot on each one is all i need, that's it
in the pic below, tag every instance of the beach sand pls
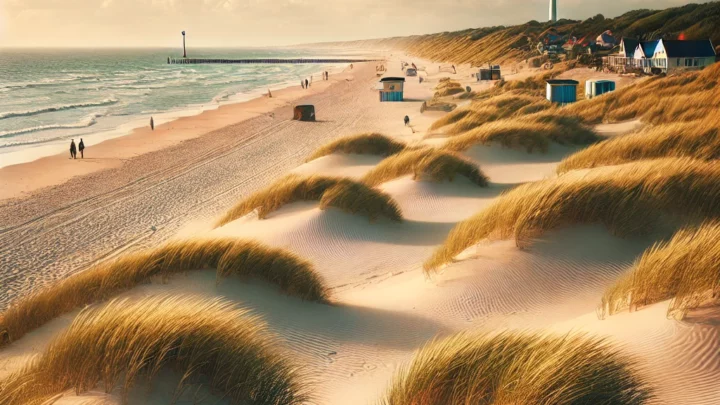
(384, 307)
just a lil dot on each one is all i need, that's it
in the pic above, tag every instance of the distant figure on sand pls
(152, 124)
(81, 148)
(302, 84)
(73, 151)
(407, 120)
(307, 83)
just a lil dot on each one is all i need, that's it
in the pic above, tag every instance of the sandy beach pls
(60, 217)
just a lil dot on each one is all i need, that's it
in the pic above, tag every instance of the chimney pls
(553, 10)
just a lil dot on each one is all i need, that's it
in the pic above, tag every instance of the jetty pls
(294, 61)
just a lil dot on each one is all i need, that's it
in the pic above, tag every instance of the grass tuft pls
(686, 269)
(429, 163)
(247, 259)
(358, 198)
(695, 139)
(370, 144)
(518, 368)
(628, 199)
(293, 188)
(208, 341)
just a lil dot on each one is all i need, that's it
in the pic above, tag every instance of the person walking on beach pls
(302, 84)
(81, 148)
(73, 151)
(152, 124)
(407, 120)
(307, 83)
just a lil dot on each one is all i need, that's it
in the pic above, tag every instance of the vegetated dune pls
(660, 100)
(695, 139)
(293, 188)
(518, 368)
(531, 133)
(247, 259)
(487, 110)
(123, 342)
(370, 143)
(628, 199)
(421, 163)
(448, 87)
(686, 269)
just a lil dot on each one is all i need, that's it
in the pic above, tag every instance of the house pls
(662, 55)
(489, 73)
(391, 88)
(563, 91)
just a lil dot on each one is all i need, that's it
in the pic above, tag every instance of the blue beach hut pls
(562, 91)
(391, 88)
(597, 87)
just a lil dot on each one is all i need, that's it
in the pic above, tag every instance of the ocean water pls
(48, 97)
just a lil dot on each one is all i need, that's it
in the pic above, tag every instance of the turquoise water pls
(50, 96)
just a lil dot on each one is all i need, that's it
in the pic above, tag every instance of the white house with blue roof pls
(663, 55)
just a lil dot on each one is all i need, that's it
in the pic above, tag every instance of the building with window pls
(663, 55)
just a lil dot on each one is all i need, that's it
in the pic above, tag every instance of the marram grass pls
(365, 144)
(685, 269)
(628, 199)
(518, 368)
(294, 188)
(126, 342)
(247, 259)
(429, 163)
(695, 139)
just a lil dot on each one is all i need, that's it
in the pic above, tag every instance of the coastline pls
(19, 180)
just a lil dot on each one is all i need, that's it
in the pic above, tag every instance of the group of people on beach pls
(73, 149)
(305, 84)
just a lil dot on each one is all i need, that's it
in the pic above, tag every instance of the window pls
(688, 62)
(678, 61)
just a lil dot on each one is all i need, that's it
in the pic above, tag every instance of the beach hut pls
(411, 72)
(597, 87)
(304, 113)
(391, 88)
(489, 73)
(562, 91)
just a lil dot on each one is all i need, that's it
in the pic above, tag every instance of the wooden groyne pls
(195, 61)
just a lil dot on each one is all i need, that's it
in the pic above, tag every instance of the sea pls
(48, 96)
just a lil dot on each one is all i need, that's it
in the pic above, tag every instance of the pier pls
(196, 61)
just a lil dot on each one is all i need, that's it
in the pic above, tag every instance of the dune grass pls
(518, 368)
(247, 259)
(294, 188)
(686, 269)
(429, 163)
(366, 144)
(688, 96)
(531, 133)
(628, 199)
(695, 139)
(210, 342)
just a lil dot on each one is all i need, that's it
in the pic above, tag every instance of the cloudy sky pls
(92, 23)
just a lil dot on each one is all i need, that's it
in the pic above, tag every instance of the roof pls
(562, 81)
(648, 47)
(681, 49)
(629, 44)
(392, 79)
(603, 81)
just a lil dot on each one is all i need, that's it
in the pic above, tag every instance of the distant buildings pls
(662, 55)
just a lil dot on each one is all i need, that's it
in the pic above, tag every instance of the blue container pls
(562, 91)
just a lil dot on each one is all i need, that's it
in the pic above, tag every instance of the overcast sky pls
(93, 23)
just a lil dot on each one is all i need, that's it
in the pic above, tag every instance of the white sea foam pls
(42, 110)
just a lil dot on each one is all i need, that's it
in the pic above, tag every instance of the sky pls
(237, 23)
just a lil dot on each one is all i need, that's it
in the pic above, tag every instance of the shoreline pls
(19, 180)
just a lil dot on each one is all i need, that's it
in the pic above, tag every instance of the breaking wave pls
(11, 114)
(86, 122)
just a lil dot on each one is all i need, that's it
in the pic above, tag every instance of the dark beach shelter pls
(304, 113)
(562, 91)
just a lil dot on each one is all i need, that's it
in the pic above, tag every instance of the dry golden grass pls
(686, 269)
(370, 144)
(293, 188)
(695, 139)
(685, 97)
(246, 259)
(428, 163)
(627, 199)
(531, 133)
(518, 368)
(123, 343)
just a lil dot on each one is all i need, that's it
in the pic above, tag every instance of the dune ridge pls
(686, 269)
(428, 162)
(627, 199)
(123, 342)
(247, 259)
(369, 143)
(518, 368)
